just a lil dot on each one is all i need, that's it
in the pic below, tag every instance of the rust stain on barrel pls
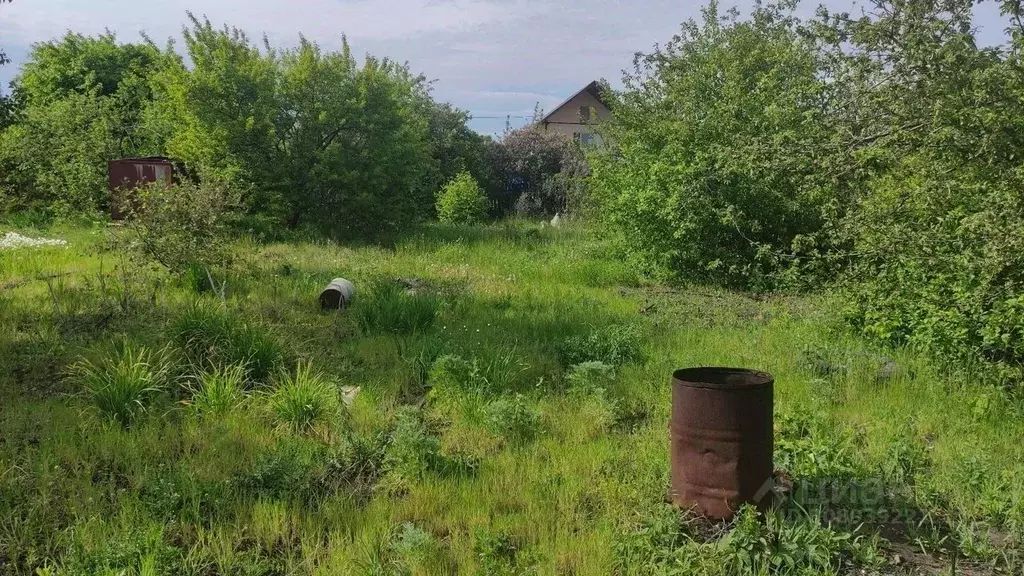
(721, 433)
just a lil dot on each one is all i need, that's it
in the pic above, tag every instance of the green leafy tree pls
(938, 234)
(9, 108)
(355, 151)
(454, 146)
(315, 137)
(712, 166)
(320, 108)
(310, 137)
(55, 157)
(77, 103)
(77, 63)
(388, 155)
(218, 116)
(461, 201)
(537, 172)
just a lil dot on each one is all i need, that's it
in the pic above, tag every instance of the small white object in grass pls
(15, 240)
(556, 222)
(348, 394)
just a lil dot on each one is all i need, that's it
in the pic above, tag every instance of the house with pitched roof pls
(576, 116)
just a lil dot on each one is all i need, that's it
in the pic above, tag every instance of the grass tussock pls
(123, 384)
(306, 400)
(211, 335)
(391, 308)
(219, 389)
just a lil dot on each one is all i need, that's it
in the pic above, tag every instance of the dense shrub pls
(461, 201)
(770, 152)
(942, 268)
(537, 173)
(711, 168)
(181, 227)
(937, 235)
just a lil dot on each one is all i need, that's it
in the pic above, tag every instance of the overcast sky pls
(490, 57)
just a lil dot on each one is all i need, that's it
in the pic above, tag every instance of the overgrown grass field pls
(495, 401)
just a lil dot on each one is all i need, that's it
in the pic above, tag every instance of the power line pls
(475, 117)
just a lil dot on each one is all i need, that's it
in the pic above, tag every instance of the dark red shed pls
(127, 174)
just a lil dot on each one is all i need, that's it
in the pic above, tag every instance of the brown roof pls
(594, 88)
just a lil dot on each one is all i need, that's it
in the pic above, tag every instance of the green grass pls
(210, 334)
(305, 400)
(389, 308)
(122, 385)
(511, 419)
(218, 390)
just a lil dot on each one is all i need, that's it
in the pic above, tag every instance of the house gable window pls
(583, 137)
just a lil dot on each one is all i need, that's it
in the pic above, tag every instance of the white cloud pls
(491, 57)
(32, 20)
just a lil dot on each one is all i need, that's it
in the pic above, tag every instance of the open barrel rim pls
(722, 378)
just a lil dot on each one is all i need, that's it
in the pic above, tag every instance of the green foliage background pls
(309, 137)
(876, 152)
(880, 153)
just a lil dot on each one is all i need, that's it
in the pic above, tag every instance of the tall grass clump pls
(305, 401)
(494, 374)
(122, 385)
(390, 308)
(211, 335)
(615, 344)
(480, 393)
(219, 389)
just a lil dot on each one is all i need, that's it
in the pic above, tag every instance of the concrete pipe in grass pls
(722, 439)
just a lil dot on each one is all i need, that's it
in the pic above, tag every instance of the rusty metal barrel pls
(337, 295)
(722, 443)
